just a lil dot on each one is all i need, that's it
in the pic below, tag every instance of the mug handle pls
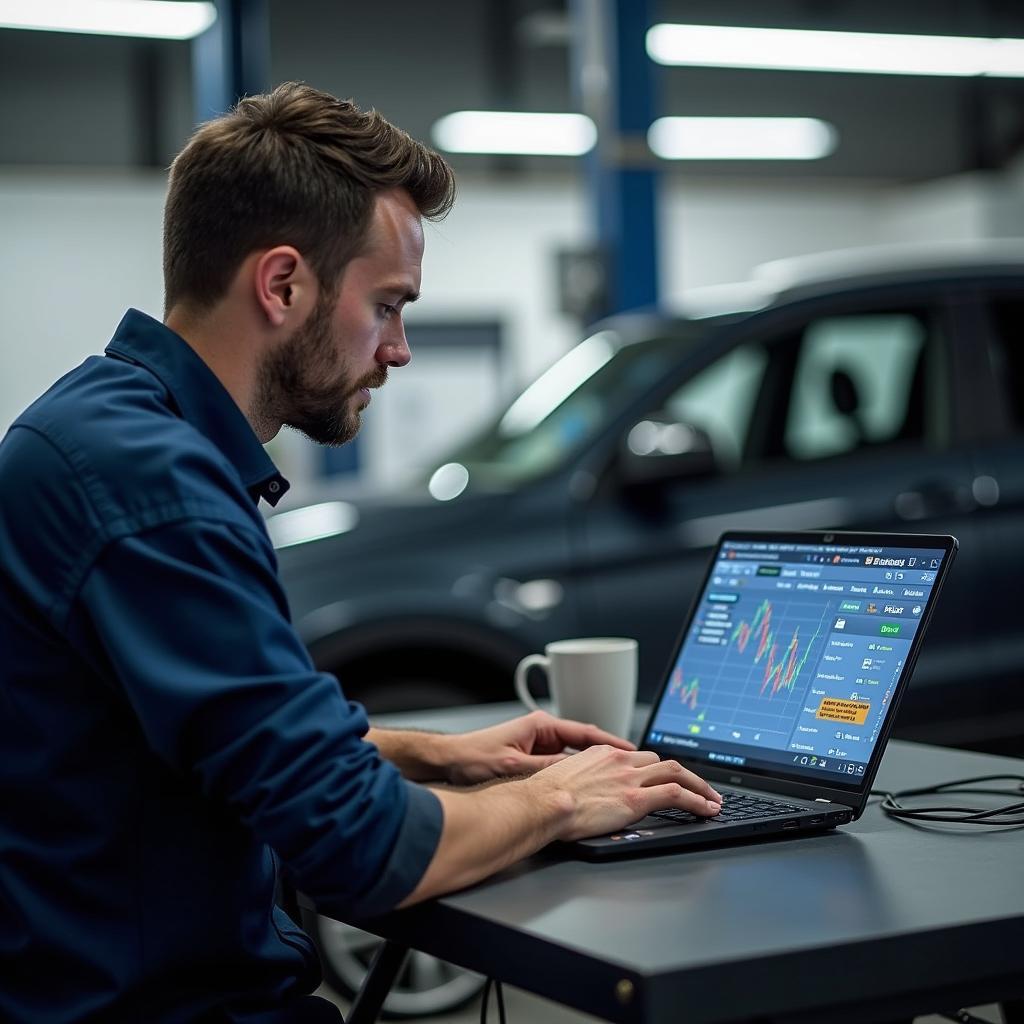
(522, 670)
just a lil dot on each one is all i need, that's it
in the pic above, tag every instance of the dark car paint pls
(427, 590)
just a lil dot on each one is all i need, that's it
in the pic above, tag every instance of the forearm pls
(488, 829)
(419, 756)
(599, 790)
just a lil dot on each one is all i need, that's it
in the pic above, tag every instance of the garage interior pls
(835, 330)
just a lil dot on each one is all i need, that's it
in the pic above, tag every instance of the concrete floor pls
(524, 1008)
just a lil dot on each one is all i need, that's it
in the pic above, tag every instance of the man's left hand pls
(521, 747)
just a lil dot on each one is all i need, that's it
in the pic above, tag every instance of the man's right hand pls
(598, 790)
(611, 788)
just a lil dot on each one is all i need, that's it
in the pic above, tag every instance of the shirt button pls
(273, 487)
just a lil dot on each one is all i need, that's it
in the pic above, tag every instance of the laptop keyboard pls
(735, 807)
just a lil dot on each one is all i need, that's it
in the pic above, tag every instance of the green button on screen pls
(889, 629)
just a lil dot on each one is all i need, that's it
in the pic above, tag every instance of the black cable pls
(486, 998)
(1008, 815)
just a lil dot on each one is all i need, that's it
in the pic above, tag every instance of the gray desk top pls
(877, 914)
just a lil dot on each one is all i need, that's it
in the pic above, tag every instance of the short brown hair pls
(294, 167)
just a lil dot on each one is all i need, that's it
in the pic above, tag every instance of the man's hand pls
(609, 788)
(521, 747)
(598, 790)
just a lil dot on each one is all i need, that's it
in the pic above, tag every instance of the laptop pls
(785, 683)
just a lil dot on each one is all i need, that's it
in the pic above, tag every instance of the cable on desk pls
(1011, 814)
(487, 998)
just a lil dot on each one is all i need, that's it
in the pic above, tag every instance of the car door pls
(834, 414)
(996, 347)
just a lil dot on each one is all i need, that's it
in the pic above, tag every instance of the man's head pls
(304, 211)
(319, 379)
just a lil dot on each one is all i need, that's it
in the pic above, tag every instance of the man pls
(168, 746)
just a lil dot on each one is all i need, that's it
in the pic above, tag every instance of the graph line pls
(687, 693)
(780, 674)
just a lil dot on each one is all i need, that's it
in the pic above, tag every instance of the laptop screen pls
(793, 655)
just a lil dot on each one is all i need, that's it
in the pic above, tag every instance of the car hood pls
(309, 536)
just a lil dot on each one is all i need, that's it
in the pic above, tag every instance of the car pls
(877, 390)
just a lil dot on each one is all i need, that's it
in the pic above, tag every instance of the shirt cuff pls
(413, 851)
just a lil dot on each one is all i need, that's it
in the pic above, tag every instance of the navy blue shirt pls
(166, 742)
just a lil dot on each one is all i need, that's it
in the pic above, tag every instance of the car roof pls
(841, 270)
(909, 260)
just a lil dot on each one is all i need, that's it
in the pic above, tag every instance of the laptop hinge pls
(821, 800)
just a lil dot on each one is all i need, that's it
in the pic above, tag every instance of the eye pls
(387, 312)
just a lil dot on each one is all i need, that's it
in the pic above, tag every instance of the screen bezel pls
(776, 779)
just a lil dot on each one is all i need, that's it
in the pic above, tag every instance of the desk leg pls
(387, 962)
(1013, 1011)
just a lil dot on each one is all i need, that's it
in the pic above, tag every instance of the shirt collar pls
(200, 397)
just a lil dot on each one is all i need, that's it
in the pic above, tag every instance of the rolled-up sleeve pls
(193, 626)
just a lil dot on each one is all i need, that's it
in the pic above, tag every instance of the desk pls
(877, 921)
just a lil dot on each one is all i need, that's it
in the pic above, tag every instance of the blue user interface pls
(794, 655)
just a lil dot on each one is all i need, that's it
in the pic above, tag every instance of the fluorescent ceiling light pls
(724, 46)
(493, 131)
(741, 138)
(156, 19)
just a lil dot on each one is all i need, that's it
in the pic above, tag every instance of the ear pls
(285, 285)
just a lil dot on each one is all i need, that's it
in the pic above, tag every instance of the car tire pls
(425, 986)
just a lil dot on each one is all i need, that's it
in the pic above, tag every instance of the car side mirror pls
(661, 448)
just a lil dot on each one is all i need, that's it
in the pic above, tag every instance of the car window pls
(562, 412)
(1008, 319)
(857, 382)
(720, 400)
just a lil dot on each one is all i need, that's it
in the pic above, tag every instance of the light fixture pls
(741, 138)
(512, 132)
(155, 19)
(724, 46)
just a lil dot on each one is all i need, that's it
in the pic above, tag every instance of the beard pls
(306, 383)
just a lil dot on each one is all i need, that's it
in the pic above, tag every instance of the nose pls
(395, 351)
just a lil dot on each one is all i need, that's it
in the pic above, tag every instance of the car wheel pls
(425, 986)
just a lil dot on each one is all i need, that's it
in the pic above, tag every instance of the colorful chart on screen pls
(796, 651)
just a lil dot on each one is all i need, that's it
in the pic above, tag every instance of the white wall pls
(718, 232)
(78, 248)
(75, 251)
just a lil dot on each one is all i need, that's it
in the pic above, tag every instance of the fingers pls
(567, 733)
(671, 794)
(706, 799)
(643, 758)
(658, 771)
(673, 771)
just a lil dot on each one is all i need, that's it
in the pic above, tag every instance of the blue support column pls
(231, 59)
(615, 82)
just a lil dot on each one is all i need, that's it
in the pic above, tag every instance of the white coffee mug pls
(591, 680)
